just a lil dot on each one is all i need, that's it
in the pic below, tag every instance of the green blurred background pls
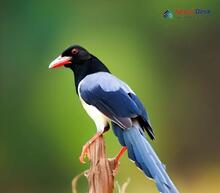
(172, 64)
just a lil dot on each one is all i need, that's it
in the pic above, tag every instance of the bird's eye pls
(74, 51)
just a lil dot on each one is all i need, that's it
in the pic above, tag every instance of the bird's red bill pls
(60, 61)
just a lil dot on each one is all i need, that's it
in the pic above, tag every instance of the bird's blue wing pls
(114, 99)
(110, 96)
(116, 105)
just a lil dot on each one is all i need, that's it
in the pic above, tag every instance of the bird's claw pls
(84, 154)
(85, 149)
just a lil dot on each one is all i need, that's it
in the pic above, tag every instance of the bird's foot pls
(117, 158)
(85, 149)
(84, 153)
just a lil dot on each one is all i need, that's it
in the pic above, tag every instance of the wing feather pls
(114, 99)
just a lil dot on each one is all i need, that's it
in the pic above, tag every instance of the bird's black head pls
(80, 61)
(73, 55)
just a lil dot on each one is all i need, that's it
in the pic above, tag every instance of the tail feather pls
(141, 152)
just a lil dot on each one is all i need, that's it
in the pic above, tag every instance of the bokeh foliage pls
(172, 64)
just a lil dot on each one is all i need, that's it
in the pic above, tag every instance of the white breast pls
(99, 118)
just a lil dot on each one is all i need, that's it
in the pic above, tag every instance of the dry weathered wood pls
(102, 170)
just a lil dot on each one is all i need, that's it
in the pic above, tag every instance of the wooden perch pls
(102, 170)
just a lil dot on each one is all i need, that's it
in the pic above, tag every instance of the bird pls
(111, 103)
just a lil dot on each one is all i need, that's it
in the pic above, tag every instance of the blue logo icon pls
(168, 14)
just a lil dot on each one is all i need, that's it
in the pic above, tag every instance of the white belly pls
(99, 118)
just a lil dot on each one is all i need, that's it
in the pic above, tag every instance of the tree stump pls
(102, 170)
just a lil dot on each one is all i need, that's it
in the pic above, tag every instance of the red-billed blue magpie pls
(107, 100)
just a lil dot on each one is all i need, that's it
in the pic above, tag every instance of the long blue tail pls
(141, 152)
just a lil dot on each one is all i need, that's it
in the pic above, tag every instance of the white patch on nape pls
(101, 121)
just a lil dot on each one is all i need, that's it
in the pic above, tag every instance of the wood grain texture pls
(102, 170)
